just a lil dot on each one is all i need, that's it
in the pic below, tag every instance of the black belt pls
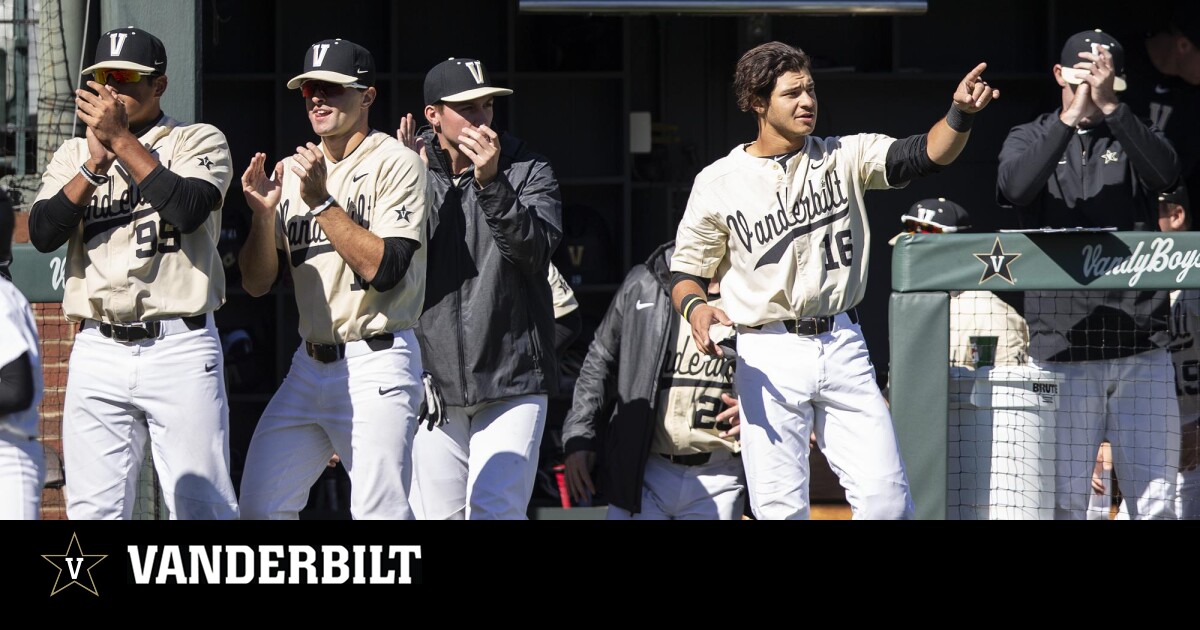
(140, 331)
(328, 353)
(697, 459)
(809, 326)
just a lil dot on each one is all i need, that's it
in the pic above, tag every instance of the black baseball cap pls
(1088, 41)
(1178, 195)
(458, 80)
(129, 48)
(339, 61)
(941, 213)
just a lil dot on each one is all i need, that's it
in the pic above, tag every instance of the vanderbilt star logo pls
(1109, 156)
(996, 263)
(403, 212)
(75, 563)
(205, 162)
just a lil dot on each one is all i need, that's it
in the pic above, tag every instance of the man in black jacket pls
(1092, 163)
(666, 452)
(487, 333)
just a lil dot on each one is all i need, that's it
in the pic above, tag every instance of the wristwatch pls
(324, 205)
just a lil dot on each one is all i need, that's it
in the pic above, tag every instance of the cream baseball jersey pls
(795, 234)
(975, 313)
(124, 262)
(381, 185)
(1185, 353)
(689, 395)
(18, 335)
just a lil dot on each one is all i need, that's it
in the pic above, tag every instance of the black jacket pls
(1108, 176)
(621, 372)
(487, 331)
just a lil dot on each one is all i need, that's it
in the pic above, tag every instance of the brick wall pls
(57, 336)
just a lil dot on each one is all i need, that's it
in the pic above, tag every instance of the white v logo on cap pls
(319, 51)
(116, 41)
(476, 70)
(926, 214)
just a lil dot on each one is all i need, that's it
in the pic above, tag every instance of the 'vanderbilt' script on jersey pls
(304, 234)
(810, 209)
(794, 235)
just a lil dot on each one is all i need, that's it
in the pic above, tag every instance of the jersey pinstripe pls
(124, 262)
(794, 235)
(381, 185)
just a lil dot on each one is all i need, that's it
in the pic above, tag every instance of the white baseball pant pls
(711, 491)
(482, 463)
(22, 473)
(363, 407)
(1131, 402)
(170, 390)
(790, 385)
(1187, 501)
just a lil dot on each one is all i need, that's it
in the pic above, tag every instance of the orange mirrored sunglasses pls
(330, 90)
(912, 227)
(104, 76)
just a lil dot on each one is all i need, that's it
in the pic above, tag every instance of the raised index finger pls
(977, 72)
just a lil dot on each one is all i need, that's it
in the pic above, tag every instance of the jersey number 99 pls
(156, 237)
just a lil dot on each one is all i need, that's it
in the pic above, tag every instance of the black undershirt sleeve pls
(679, 276)
(908, 159)
(16, 385)
(51, 222)
(184, 202)
(397, 256)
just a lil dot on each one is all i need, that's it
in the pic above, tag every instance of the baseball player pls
(785, 216)
(22, 469)
(1092, 162)
(349, 215)
(138, 202)
(1174, 216)
(668, 454)
(488, 325)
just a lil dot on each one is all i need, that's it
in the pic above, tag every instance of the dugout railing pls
(927, 267)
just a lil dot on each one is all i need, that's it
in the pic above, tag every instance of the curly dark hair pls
(760, 67)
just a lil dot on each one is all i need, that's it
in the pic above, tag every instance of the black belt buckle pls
(130, 333)
(696, 459)
(809, 326)
(325, 353)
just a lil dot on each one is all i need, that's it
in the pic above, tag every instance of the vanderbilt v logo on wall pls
(997, 263)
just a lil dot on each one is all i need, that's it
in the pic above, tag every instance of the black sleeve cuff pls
(679, 276)
(16, 385)
(182, 201)
(908, 159)
(397, 256)
(51, 222)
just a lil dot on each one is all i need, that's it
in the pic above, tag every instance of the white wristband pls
(324, 205)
